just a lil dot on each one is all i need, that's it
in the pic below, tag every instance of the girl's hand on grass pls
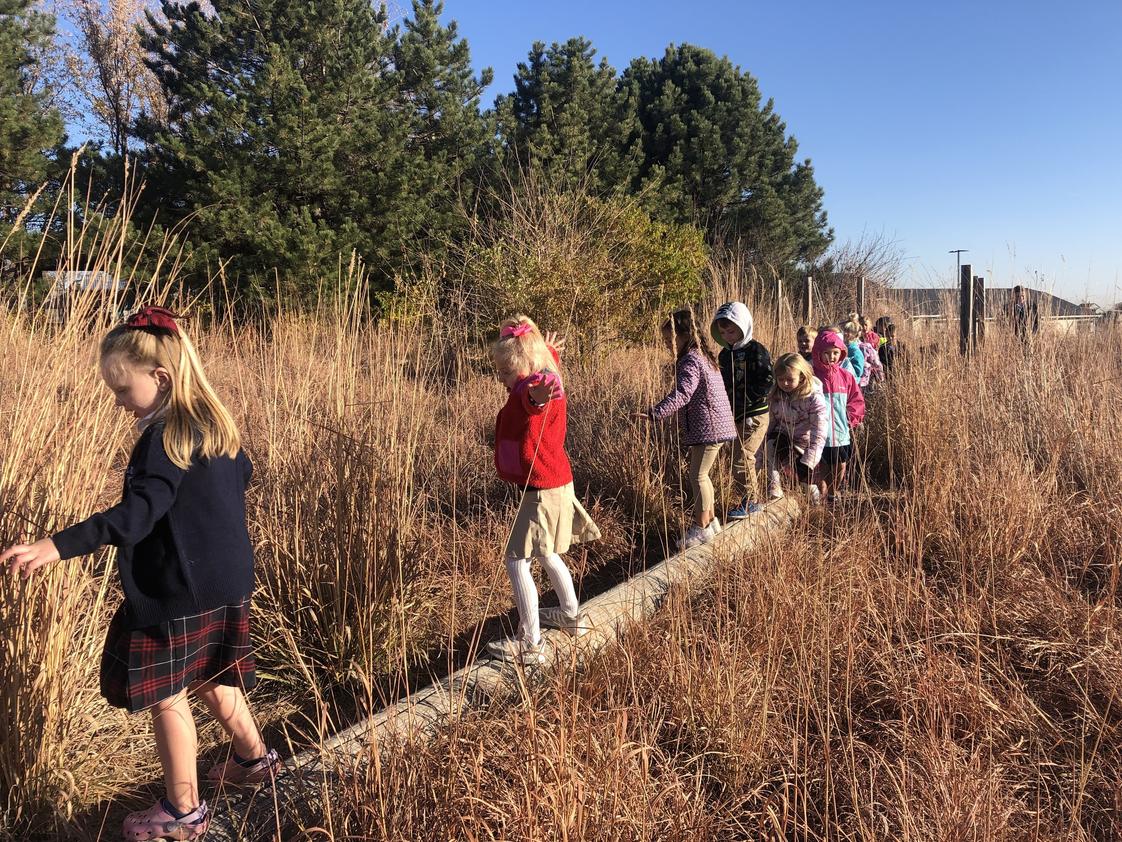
(557, 343)
(25, 559)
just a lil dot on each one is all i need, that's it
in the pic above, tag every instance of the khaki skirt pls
(549, 521)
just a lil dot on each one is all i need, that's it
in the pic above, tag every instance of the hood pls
(737, 313)
(826, 340)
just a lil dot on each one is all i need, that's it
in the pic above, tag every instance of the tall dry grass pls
(937, 659)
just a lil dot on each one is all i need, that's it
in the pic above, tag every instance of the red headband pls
(154, 317)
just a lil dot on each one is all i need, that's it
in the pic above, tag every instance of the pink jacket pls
(805, 421)
(844, 401)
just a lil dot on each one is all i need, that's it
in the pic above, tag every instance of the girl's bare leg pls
(177, 745)
(231, 708)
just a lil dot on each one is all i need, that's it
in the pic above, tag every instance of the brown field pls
(936, 660)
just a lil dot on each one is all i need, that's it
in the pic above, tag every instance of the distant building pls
(929, 307)
(67, 286)
(927, 303)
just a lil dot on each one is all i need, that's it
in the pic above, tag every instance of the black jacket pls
(747, 375)
(181, 537)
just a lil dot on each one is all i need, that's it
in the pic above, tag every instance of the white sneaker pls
(573, 625)
(520, 652)
(694, 535)
(713, 529)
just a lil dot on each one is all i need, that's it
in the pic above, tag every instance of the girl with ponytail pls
(186, 568)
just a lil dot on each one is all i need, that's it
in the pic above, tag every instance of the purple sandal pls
(157, 822)
(235, 772)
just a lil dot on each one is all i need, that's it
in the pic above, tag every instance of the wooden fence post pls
(808, 300)
(965, 308)
(861, 295)
(979, 332)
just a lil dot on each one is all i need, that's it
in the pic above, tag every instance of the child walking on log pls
(699, 399)
(845, 405)
(186, 567)
(530, 452)
(799, 422)
(746, 369)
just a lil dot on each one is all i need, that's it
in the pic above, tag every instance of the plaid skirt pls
(140, 667)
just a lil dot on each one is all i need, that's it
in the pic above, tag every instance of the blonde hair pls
(526, 353)
(851, 327)
(797, 363)
(195, 420)
(807, 330)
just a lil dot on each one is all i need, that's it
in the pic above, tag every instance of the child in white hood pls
(746, 369)
(797, 428)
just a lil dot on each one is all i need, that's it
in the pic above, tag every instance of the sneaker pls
(573, 625)
(517, 651)
(813, 493)
(694, 535)
(739, 512)
(713, 529)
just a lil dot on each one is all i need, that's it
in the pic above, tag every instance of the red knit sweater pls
(530, 440)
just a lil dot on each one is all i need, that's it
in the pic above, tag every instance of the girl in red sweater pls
(530, 452)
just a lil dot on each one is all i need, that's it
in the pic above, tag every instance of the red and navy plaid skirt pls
(140, 667)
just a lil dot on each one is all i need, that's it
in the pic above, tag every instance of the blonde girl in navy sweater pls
(186, 567)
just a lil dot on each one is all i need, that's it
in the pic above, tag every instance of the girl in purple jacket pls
(797, 427)
(702, 406)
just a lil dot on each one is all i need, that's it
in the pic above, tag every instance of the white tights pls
(526, 592)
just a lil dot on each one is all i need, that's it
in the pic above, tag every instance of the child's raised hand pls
(545, 390)
(27, 558)
(554, 341)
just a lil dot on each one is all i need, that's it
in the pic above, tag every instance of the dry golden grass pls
(937, 659)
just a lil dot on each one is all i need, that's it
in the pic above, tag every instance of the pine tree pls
(447, 137)
(286, 140)
(569, 118)
(30, 132)
(714, 155)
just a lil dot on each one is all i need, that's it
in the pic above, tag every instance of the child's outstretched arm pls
(149, 494)
(688, 377)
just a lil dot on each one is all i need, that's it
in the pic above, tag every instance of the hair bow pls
(154, 317)
(515, 330)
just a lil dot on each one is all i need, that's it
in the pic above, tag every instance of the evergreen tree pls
(714, 155)
(447, 136)
(30, 132)
(568, 117)
(285, 140)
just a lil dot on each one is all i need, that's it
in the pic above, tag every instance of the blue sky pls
(990, 126)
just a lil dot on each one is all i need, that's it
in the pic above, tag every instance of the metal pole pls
(808, 300)
(861, 295)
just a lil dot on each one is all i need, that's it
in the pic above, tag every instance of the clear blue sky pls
(994, 126)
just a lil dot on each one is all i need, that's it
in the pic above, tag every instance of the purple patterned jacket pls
(700, 392)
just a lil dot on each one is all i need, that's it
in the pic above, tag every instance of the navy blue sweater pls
(181, 538)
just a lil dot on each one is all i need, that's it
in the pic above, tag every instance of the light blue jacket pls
(857, 359)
